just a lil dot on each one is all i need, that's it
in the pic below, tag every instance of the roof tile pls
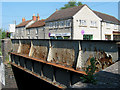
(37, 24)
(23, 24)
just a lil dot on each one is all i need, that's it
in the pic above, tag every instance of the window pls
(93, 24)
(22, 31)
(52, 37)
(107, 25)
(36, 31)
(16, 31)
(115, 26)
(107, 37)
(66, 37)
(59, 37)
(82, 22)
(61, 23)
(87, 37)
(67, 23)
(56, 24)
(116, 37)
(50, 24)
(28, 31)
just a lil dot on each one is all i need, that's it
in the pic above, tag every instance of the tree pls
(79, 3)
(3, 34)
(71, 3)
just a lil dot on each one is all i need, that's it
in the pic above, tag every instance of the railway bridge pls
(59, 64)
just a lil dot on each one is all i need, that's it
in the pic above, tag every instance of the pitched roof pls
(107, 17)
(23, 24)
(69, 12)
(64, 13)
(37, 24)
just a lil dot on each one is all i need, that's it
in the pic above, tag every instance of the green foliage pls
(4, 34)
(71, 3)
(0, 52)
(8, 34)
(79, 3)
(0, 41)
(90, 70)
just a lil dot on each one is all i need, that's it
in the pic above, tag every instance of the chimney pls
(34, 17)
(23, 19)
(56, 9)
(38, 17)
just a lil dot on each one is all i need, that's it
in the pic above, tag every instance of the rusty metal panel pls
(15, 45)
(25, 47)
(105, 53)
(40, 49)
(64, 52)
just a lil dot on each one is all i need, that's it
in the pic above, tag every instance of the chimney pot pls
(38, 17)
(23, 19)
(34, 17)
(56, 9)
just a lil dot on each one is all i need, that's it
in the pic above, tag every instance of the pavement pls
(2, 73)
(107, 78)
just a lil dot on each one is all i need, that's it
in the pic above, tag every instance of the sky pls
(14, 11)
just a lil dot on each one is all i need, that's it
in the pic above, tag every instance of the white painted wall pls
(108, 30)
(86, 14)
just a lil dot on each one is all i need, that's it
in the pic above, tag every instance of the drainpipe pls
(72, 29)
(101, 29)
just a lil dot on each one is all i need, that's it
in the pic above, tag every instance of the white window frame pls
(68, 23)
(93, 24)
(82, 23)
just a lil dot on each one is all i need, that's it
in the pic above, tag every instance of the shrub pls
(90, 70)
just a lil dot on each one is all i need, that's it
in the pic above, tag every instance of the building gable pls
(85, 12)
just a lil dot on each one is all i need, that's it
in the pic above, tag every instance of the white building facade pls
(83, 24)
(79, 22)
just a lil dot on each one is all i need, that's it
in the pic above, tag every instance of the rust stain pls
(40, 52)
(25, 48)
(50, 63)
(64, 57)
(102, 60)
